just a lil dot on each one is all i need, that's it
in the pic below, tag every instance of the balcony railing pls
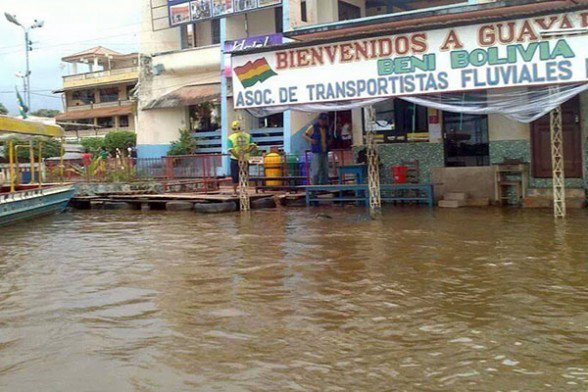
(100, 105)
(99, 74)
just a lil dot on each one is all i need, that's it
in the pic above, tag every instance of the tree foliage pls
(51, 149)
(46, 113)
(92, 144)
(185, 145)
(3, 109)
(121, 140)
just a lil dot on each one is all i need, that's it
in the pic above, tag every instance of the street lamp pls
(36, 25)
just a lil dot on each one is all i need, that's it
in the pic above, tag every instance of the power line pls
(110, 28)
(32, 91)
(45, 95)
(93, 39)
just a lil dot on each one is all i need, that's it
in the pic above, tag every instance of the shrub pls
(185, 145)
(121, 140)
(92, 144)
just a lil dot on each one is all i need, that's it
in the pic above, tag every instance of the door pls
(572, 135)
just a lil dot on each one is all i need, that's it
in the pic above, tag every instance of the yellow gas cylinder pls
(272, 164)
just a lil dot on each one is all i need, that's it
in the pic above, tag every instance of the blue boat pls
(17, 201)
(31, 203)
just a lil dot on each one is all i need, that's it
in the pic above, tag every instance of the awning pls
(95, 113)
(186, 96)
(12, 125)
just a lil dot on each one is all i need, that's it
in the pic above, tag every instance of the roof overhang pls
(433, 18)
(95, 113)
(186, 96)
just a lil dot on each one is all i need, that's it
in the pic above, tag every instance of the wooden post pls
(11, 165)
(61, 165)
(558, 164)
(32, 160)
(40, 163)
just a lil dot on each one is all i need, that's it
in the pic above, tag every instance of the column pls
(224, 99)
(287, 114)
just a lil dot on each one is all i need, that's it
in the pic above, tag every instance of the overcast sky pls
(70, 26)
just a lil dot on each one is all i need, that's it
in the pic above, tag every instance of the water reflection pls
(295, 300)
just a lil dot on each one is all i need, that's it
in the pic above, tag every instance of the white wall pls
(203, 33)
(161, 126)
(321, 11)
(502, 128)
(181, 68)
(157, 41)
(261, 22)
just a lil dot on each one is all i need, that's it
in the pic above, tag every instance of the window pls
(466, 139)
(106, 122)
(466, 135)
(396, 119)
(123, 121)
(85, 96)
(108, 94)
(130, 88)
(188, 36)
(215, 31)
(273, 121)
(303, 11)
(204, 117)
(348, 11)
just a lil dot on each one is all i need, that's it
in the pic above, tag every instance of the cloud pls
(70, 27)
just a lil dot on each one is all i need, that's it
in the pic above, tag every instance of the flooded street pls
(295, 300)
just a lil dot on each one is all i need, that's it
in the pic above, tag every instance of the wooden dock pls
(175, 201)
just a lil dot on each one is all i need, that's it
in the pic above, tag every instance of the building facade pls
(186, 65)
(97, 92)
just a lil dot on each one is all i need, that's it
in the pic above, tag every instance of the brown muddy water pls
(460, 300)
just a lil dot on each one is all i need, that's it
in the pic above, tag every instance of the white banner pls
(535, 51)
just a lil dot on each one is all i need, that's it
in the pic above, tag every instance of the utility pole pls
(28, 70)
(28, 48)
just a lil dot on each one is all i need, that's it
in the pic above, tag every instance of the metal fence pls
(205, 168)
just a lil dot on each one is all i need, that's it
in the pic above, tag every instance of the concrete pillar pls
(224, 100)
(287, 26)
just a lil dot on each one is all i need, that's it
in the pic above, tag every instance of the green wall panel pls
(429, 155)
(501, 150)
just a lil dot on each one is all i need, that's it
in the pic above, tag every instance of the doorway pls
(572, 136)
(342, 127)
(466, 140)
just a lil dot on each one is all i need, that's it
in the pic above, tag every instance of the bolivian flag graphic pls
(254, 72)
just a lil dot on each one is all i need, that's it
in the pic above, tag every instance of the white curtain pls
(521, 104)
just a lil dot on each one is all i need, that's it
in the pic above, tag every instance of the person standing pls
(320, 138)
(240, 142)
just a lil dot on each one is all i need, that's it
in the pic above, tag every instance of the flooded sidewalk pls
(322, 299)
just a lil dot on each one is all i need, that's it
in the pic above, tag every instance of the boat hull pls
(33, 203)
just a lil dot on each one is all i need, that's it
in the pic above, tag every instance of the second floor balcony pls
(91, 106)
(101, 77)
